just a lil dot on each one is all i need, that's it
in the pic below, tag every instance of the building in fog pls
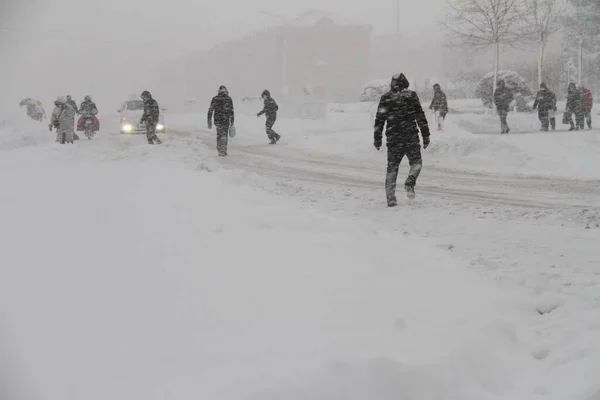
(315, 56)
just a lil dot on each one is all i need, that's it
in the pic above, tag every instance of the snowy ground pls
(164, 273)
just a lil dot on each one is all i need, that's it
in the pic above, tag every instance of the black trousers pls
(269, 128)
(222, 139)
(395, 155)
(151, 133)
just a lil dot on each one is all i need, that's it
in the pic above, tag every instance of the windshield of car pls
(134, 105)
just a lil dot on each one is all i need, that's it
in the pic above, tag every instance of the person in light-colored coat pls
(63, 119)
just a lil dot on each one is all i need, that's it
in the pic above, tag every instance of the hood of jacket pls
(399, 82)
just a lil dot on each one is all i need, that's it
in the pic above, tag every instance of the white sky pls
(85, 46)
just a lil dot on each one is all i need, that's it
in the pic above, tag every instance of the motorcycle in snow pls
(89, 124)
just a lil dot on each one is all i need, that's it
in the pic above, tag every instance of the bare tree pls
(544, 17)
(485, 23)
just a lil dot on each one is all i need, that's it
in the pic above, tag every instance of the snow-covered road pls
(514, 224)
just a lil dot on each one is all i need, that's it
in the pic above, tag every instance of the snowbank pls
(132, 271)
(470, 141)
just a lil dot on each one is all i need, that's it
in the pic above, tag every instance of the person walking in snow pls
(73, 104)
(588, 102)
(270, 110)
(400, 112)
(150, 117)
(574, 106)
(221, 111)
(63, 119)
(545, 102)
(503, 96)
(439, 105)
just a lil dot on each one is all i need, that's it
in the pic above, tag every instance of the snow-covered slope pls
(131, 271)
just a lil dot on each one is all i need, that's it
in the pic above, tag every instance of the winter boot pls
(392, 202)
(277, 137)
(410, 191)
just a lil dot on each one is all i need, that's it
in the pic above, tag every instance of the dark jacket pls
(587, 99)
(270, 108)
(401, 110)
(73, 104)
(574, 100)
(88, 107)
(545, 100)
(503, 96)
(439, 102)
(151, 111)
(221, 107)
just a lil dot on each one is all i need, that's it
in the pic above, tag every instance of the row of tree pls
(481, 24)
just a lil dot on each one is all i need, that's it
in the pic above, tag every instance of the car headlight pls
(160, 127)
(127, 127)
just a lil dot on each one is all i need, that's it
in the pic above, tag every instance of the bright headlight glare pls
(160, 127)
(127, 128)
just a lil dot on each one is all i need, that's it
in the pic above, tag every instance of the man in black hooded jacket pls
(150, 117)
(401, 109)
(270, 110)
(221, 106)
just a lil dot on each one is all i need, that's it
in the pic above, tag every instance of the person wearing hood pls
(439, 105)
(35, 110)
(503, 96)
(401, 114)
(270, 110)
(574, 106)
(545, 102)
(87, 110)
(150, 117)
(73, 104)
(221, 111)
(63, 119)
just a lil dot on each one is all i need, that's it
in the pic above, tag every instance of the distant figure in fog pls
(545, 102)
(574, 106)
(588, 102)
(73, 104)
(63, 119)
(221, 111)
(503, 96)
(439, 105)
(270, 110)
(150, 117)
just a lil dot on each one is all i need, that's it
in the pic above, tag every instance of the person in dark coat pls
(88, 110)
(503, 96)
(574, 106)
(150, 117)
(270, 110)
(587, 101)
(439, 104)
(400, 112)
(545, 102)
(221, 110)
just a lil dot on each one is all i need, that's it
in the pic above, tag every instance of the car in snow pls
(131, 112)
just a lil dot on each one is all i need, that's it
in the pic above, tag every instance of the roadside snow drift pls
(470, 141)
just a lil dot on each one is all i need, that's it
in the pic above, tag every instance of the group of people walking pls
(63, 118)
(221, 112)
(579, 105)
